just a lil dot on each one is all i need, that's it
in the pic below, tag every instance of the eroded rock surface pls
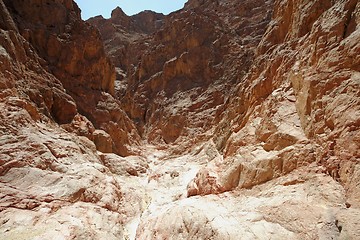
(223, 120)
(73, 52)
(52, 179)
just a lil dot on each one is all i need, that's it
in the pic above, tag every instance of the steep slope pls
(56, 32)
(178, 84)
(53, 183)
(241, 118)
(254, 92)
(303, 89)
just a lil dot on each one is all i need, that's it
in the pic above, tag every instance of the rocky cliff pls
(178, 82)
(223, 119)
(56, 32)
(57, 110)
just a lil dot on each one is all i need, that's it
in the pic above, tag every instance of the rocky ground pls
(223, 120)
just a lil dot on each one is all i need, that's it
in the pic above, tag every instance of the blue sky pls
(91, 8)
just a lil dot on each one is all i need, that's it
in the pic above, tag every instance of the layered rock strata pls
(73, 52)
(53, 182)
(178, 82)
(241, 118)
(255, 90)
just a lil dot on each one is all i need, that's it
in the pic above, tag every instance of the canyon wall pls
(301, 95)
(256, 89)
(57, 110)
(223, 119)
(73, 52)
(178, 83)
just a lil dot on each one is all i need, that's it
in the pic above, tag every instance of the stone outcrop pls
(124, 37)
(52, 180)
(299, 86)
(177, 86)
(55, 30)
(223, 119)
(289, 207)
(256, 90)
(73, 52)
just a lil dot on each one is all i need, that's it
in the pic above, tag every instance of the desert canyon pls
(224, 120)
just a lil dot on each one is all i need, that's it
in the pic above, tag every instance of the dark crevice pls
(350, 23)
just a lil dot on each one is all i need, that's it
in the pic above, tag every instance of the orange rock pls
(103, 141)
(224, 112)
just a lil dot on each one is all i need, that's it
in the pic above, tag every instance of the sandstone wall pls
(299, 102)
(267, 82)
(243, 121)
(183, 73)
(73, 52)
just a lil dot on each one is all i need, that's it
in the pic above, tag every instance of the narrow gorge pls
(223, 120)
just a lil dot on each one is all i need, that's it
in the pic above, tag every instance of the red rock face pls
(49, 165)
(304, 60)
(271, 84)
(241, 118)
(120, 32)
(178, 83)
(56, 32)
